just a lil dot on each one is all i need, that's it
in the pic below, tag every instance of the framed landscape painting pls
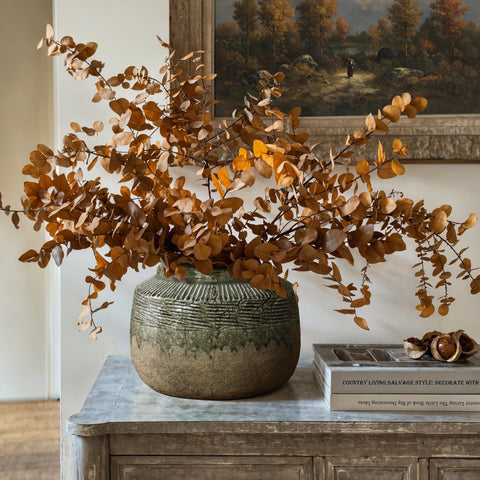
(343, 59)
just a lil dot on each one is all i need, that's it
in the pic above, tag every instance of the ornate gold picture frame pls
(431, 138)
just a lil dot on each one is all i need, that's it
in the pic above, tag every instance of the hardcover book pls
(383, 377)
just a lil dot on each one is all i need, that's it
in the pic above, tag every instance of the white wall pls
(26, 105)
(127, 36)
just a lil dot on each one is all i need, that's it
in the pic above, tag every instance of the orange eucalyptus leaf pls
(201, 251)
(362, 167)
(419, 103)
(361, 322)
(259, 148)
(475, 285)
(224, 177)
(392, 113)
(217, 184)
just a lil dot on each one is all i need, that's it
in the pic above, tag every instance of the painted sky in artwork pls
(360, 14)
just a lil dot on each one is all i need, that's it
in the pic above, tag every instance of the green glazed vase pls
(213, 337)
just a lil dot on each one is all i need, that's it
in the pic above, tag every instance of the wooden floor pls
(30, 441)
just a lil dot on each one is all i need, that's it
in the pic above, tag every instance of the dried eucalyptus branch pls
(310, 218)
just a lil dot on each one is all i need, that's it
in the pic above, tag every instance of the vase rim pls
(219, 273)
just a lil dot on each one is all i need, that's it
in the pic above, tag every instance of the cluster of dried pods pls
(446, 347)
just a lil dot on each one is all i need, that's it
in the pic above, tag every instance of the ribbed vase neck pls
(219, 274)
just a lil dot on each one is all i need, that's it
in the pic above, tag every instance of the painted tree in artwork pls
(274, 16)
(384, 29)
(245, 13)
(374, 34)
(446, 14)
(342, 28)
(315, 22)
(404, 16)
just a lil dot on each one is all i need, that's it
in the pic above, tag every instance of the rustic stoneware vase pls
(213, 337)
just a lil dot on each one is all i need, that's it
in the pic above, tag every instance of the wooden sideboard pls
(126, 431)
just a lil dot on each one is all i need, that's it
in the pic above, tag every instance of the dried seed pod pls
(446, 348)
(429, 336)
(415, 348)
(468, 344)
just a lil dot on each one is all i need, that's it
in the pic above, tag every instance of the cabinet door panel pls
(210, 468)
(454, 469)
(401, 468)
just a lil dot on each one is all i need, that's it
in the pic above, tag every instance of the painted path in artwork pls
(336, 94)
(360, 83)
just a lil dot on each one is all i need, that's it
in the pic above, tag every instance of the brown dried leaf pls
(397, 167)
(260, 281)
(263, 168)
(350, 206)
(380, 125)
(438, 221)
(475, 285)
(410, 111)
(333, 239)
(49, 32)
(85, 312)
(407, 98)
(387, 205)
(216, 244)
(385, 171)
(184, 204)
(336, 273)
(361, 322)
(58, 254)
(370, 123)
(419, 103)
(362, 167)
(443, 309)
(392, 113)
(305, 235)
(470, 222)
(451, 234)
(180, 272)
(365, 199)
(29, 256)
(426, 310)
(162, 162)
(398, 102)
(123, 138)
(201, 251)
(94, 332)
(204, 266)
(380, 154)
(361, 236)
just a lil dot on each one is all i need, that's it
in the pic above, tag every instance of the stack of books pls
(383, 377)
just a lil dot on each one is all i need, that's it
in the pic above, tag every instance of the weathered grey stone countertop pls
(120, 402)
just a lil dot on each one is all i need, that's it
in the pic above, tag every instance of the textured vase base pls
(213, 337)
(222, 375)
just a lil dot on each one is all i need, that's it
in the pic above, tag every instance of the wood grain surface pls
(30, 440)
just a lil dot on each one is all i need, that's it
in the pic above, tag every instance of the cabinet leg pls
(91, 457)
